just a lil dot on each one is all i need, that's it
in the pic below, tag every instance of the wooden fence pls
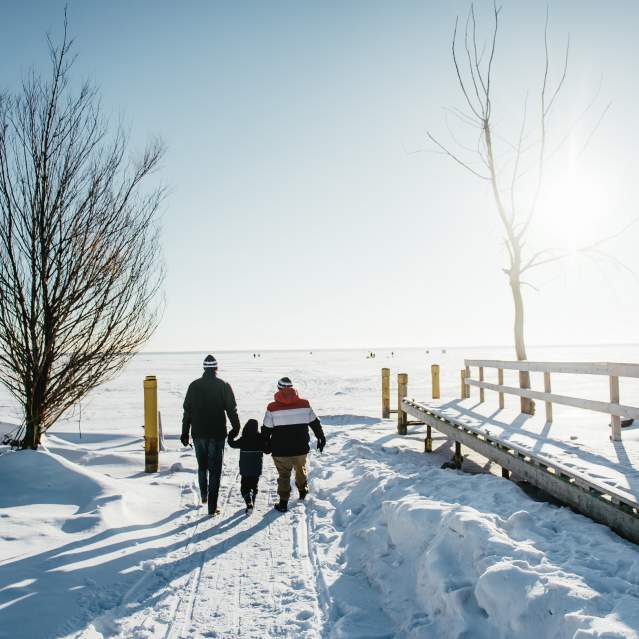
(611, 370)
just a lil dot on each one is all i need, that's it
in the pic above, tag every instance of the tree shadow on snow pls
(47, 582)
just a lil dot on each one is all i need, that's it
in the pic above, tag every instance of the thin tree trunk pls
(33, 424)
(30, 438)
(527, 405)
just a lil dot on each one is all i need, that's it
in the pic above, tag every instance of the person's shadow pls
(76, 570)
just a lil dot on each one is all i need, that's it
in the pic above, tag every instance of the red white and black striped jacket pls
(287, 421)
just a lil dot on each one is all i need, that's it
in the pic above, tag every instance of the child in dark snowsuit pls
(252, 445)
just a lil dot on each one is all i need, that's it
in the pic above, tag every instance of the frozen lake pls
(339, 382)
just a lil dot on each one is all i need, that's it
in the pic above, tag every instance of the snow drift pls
(459, 556)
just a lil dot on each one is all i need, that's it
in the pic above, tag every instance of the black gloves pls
(233, 433)
(184, 438)
(321, 442)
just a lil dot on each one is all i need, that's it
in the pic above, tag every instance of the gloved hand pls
(234, 433)
(321, 442)
(184, 439)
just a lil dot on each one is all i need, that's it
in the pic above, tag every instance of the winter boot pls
(282, 506)
(249, 503)
(303, 492)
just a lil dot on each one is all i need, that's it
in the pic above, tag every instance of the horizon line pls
(377, 348)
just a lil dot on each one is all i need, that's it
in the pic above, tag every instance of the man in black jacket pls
(208, 401)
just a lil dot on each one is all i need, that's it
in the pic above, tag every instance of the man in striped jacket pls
(286, 424)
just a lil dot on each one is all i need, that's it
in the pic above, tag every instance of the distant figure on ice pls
(286, 425)
(208, 401)
(252, 445)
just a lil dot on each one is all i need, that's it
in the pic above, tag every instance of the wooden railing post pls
(547, 389)
(467, 386)
(457, 457)
(402, 389)
(464, 388)
(614, 399)
(428, 442)
(386, 393)
(150, 424)
(434, 375)
(500, 381)
(481, 379)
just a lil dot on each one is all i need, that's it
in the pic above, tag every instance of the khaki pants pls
(284, 467)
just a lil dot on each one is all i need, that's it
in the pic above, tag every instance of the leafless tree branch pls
(456, 158)
(80, 263)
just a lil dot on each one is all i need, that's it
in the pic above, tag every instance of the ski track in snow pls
(246, 576)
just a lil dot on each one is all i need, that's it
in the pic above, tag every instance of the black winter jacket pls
(208, 401)
(252, 446)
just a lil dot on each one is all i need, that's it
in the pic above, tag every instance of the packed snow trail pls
(237, 576)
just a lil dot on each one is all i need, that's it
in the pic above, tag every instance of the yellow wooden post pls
(151, 454)
(402, 389)
(481, 379)
(464, 390)
(500, 381)
(386, 393)
(434, 375)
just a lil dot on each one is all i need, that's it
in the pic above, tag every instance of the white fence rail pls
(611, 370)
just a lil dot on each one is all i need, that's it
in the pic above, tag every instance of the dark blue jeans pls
(209, 454)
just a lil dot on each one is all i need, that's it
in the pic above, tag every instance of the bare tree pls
(516, 173)
(80, 264)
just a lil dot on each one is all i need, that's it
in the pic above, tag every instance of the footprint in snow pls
(298, 584)
(304, 615)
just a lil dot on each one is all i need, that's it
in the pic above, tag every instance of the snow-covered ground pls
(386, 545)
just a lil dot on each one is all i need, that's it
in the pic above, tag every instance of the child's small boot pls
(249, 502)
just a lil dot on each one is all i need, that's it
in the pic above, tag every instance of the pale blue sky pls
(298, 213)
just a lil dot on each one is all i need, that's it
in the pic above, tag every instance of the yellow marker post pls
(386, 409)
(402, 391)
(434, 374)
(151, 440)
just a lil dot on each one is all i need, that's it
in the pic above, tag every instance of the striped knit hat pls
(285, 382)
(210, 362)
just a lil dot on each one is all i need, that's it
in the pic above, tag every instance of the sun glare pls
(572, 211)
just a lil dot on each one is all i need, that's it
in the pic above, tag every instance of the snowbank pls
(73, 538)
(453, 555)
